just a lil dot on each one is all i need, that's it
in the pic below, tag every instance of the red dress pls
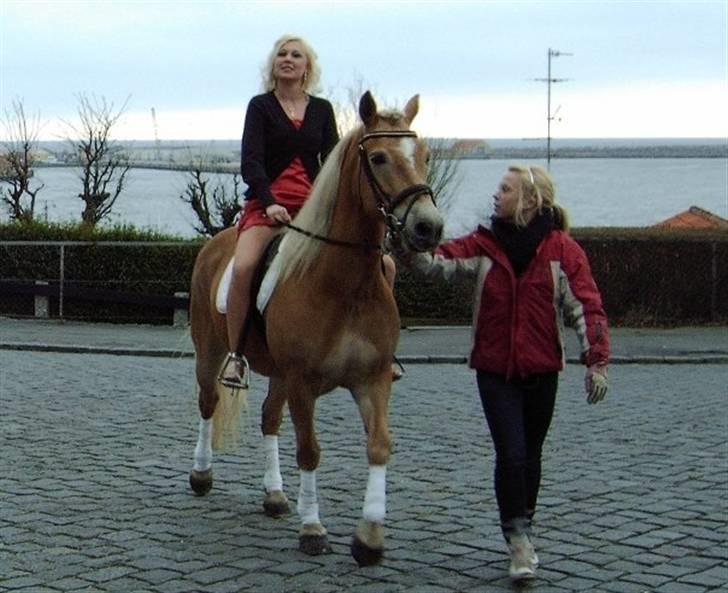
(291, 189)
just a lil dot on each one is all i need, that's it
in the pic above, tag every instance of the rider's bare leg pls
(249, 249)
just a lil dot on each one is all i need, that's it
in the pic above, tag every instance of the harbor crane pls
(157, 143)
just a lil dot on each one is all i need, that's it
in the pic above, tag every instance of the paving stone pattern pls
(96, 451)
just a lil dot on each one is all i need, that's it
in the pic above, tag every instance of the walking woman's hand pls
(596, 383)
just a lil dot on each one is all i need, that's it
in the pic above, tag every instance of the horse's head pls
(394, 161)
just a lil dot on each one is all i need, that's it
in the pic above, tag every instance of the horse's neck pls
(356, 217)
(359, 263)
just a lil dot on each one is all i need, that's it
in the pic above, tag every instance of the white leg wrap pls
(375, 500)
(272, 479)
(203, 450)
(307, 505)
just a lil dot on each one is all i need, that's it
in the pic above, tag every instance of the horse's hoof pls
(314, 545)
(201, 481)
(275, 504)
(363, 554)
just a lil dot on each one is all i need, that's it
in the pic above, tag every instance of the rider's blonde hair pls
(312, 75)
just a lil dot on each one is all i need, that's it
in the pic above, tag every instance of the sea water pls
(596, 192)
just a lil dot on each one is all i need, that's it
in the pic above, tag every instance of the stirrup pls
(239, 380)
(397, 369)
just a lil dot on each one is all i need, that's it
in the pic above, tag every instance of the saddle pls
(264, 280)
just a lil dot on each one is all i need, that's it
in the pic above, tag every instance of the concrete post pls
(42, 309)
(181, 316)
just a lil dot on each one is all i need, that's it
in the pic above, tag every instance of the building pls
(694, 218)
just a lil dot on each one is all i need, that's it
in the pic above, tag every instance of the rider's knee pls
(242, 266)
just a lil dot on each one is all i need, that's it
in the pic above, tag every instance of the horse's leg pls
(367, 546)
(312, 539)
(275, 503)
(201, 474)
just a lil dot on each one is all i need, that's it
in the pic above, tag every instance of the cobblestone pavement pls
(96, 451)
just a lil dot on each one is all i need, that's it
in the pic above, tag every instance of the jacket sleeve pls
(455, 258)
(330, 134)
(252, 160)
(582, 305)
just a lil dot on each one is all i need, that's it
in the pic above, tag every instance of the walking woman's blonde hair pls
(535, 181)
(311, 77)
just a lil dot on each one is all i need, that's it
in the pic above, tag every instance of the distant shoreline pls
(671, 151)
(495, 147)
(223, 156)
(493, 153)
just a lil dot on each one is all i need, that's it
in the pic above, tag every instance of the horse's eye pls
(378, 158)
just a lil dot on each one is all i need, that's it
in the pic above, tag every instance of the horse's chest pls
(351, 351)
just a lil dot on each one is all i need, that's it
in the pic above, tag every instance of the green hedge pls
(646, 276)
(654, 277)
(156, 265)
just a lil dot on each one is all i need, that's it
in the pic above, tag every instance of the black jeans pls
(519, 414)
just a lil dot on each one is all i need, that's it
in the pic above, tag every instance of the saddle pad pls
(267, 284)
(223, 288)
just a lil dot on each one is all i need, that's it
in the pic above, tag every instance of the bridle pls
(386, 204)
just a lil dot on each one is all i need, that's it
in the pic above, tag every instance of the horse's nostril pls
(426, 231)
(423, 230)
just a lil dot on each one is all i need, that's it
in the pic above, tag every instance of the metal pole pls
(553, 53)
(62, 279)
(548, 114)
(714, 282)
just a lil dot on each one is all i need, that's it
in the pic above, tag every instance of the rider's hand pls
(596, 383)
(278, 213)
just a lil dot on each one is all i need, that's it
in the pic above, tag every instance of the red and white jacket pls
(518, 321)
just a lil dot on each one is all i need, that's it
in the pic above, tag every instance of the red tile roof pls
(694, 218)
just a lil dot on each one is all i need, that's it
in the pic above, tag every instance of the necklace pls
(291, 109)
(290, 105)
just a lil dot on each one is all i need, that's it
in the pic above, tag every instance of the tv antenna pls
(553, 53)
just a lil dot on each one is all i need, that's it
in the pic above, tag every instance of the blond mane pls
(299, 250)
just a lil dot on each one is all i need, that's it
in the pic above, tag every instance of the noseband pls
(387, 203)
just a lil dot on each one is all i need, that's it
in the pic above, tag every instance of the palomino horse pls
(331, 320)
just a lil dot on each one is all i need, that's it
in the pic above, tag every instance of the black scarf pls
(520, 243)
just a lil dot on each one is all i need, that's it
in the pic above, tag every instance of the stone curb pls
(694, 358)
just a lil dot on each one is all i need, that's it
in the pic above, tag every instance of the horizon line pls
(484, 138)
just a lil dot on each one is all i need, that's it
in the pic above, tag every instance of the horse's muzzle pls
(424, 235)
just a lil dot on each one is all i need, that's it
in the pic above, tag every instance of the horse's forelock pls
(392, 117)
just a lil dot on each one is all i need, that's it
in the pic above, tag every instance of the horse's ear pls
(367, 109)
(411, 109)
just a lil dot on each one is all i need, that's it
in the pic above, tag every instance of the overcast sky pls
(648, 68)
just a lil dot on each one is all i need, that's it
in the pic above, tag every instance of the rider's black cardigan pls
(271, 142)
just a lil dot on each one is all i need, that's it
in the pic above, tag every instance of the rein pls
(330, 241)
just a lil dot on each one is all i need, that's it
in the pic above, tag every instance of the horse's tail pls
(227, 419)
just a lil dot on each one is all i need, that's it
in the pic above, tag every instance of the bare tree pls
(346, 109)
(103, 170)
(17, 160)
(215, 211)
(443, 172)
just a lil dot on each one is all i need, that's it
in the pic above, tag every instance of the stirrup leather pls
(239, 380)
